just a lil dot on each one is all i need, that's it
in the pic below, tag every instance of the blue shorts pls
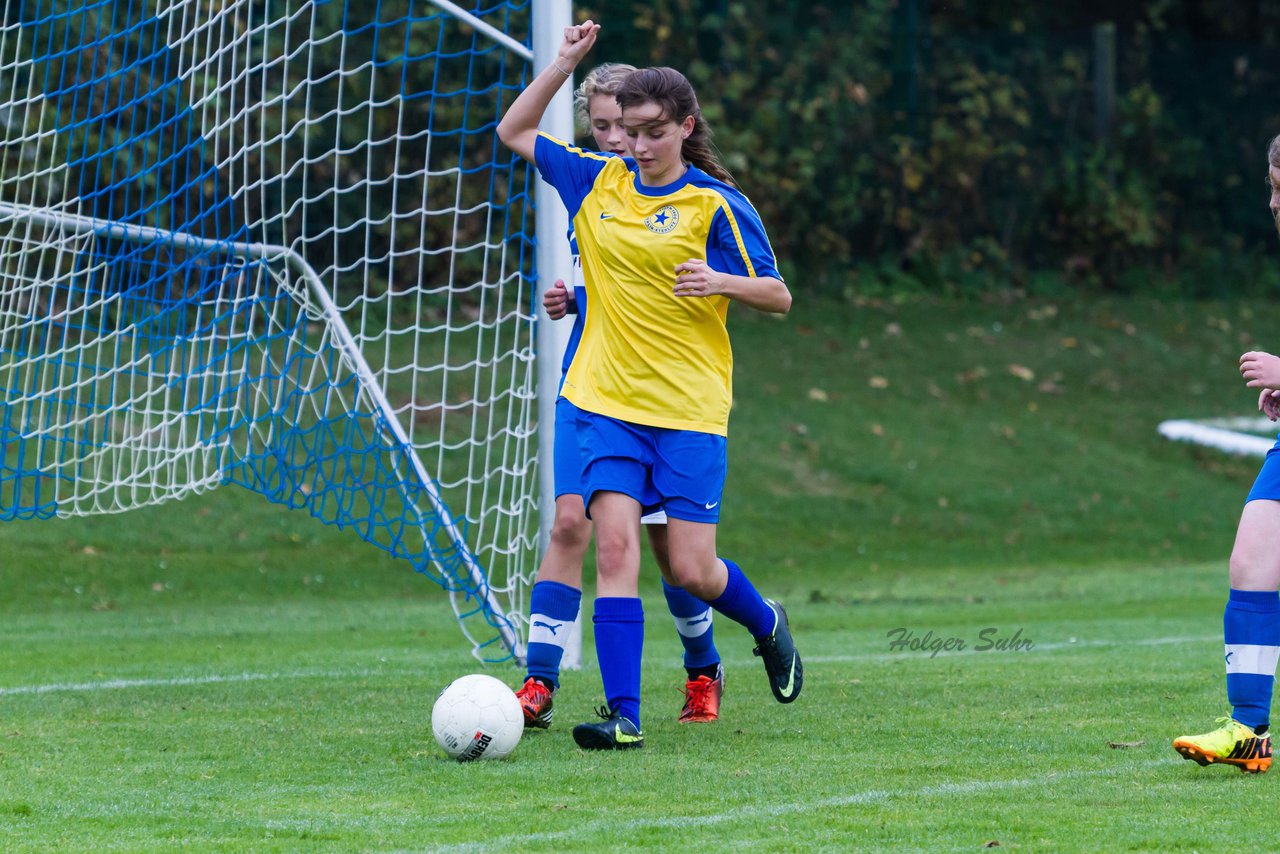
(566, 459)
(1267, 484)
(679, 471)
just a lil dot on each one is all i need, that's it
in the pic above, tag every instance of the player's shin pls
(619, 631)
(553, 608)
(742, 603)
(1251, 630)
(693, 622)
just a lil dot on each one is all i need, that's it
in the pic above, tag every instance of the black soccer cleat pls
(781, 661)
(614, 732)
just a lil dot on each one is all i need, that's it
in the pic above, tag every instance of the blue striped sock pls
(619, 626)
(552, 609)
(1251, 629)
(693, 622)
(742, 603)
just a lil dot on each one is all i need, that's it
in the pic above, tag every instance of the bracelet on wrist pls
(556, 63)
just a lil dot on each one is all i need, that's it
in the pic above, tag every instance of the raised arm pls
(518, 129)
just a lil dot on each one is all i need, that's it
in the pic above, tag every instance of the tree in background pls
(958, 145)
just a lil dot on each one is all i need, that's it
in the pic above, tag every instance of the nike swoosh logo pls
(620, 736)
(701, 619)
(606, 215)
(791, 679)
(712, 506)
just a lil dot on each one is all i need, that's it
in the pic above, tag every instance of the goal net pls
(274, 243)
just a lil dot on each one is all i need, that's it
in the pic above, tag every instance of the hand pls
(578, 41)
(695, 279)
(1262, 370)
(556, 300)
(1269, 403)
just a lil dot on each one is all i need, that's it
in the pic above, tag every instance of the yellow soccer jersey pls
(647, 356)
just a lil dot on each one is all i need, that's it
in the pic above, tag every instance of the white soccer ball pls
(477, 717)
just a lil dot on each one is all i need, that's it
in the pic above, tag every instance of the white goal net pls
(274, 243)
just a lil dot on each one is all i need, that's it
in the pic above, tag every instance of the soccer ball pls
(477, 717)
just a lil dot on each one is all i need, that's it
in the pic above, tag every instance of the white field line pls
(220, 678)
(178, 681)
(613, 829)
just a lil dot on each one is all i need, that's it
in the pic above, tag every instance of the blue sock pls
(552, 609)
(619, 626)
(742, 603)
(1251, 629)
(693, 622)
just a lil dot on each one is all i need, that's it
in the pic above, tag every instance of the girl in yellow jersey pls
(556, 596)
(665, 241)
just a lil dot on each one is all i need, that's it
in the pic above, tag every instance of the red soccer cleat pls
(535, 702)
(702, 698)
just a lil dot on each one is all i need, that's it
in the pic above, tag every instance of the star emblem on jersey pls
(663, 221)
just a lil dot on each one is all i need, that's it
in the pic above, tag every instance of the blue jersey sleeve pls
(737, 242)
(569, 169)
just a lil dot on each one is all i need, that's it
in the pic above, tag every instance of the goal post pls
(277, 244)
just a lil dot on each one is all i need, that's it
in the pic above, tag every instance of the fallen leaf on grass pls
(1022, 372)
(1050, 387)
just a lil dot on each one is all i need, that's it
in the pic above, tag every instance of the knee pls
(694, 576)
(1243, 572)
(1236, 566)
(571, 533)
(614, 552)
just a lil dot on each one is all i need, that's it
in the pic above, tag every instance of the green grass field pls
(221, 674)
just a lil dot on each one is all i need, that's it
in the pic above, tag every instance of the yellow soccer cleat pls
(1233, 743)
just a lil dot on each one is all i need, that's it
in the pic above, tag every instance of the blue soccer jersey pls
(647, 356)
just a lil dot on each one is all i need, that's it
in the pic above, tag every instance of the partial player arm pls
(696, 278)
(739, 263)
(557, 302)
(1269, 403)
(518, 129)
(1262, 370)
